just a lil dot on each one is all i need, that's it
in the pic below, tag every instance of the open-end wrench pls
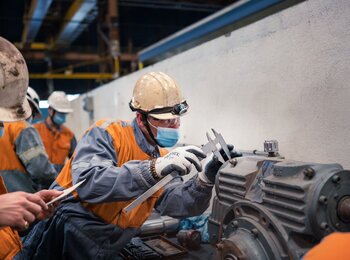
(209, 147)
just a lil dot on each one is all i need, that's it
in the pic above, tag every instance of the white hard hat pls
(13, 84)
(159, 96)
(34, 100)
(58, 101)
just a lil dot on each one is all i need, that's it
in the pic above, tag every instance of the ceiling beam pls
(171, 5)
(73, 24)
(74, 56)
(34, 19)
(71, 76)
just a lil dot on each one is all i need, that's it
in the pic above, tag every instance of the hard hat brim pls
(11, 114)
(65, 111)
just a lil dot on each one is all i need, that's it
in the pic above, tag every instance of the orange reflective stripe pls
(8, 158)
(57, 144)
(127, 149)
(10, 243)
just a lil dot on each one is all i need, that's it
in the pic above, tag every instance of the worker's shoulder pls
(111, 123)
(16, 129)
(17, 126)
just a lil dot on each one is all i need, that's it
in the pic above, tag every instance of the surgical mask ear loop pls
(146, 123)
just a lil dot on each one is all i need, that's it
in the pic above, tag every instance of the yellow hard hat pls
(158, 95)
(58, 101)
(13, 84)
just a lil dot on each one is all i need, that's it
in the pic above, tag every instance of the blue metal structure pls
(37, 18)
(79, 12)
(199, 31)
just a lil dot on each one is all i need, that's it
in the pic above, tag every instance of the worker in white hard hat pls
(119, 161)
(25, 166)
(17, 209)
(59, 140)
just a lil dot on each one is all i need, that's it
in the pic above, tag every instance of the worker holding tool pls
(24, 165)
(17, 209)
(59, 140)
(120, 161)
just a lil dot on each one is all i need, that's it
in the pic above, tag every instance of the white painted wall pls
(284, 77)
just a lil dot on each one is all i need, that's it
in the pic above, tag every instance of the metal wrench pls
(209, 147)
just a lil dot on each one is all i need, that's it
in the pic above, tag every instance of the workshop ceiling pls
(77, 45)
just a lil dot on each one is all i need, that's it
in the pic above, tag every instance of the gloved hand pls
(180, 160)
(212, 167)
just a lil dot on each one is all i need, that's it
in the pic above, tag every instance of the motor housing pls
(271, 208)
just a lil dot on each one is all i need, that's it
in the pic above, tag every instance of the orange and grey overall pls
(24, 164)
(59, 144)
(114, 159)
(10, 243)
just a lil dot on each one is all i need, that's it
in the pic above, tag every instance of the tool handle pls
(144, 196)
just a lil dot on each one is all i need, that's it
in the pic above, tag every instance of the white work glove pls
(179, 160)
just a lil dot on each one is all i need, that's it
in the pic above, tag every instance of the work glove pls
(180, 160)
(212, 167)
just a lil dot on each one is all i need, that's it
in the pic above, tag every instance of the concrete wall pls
(284, 77)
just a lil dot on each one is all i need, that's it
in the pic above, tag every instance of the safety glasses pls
(163, 122)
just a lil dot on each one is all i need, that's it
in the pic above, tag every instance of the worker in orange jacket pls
(17, 209)
(24, 165)
(333, 246)
(59, 140)
(119, 161)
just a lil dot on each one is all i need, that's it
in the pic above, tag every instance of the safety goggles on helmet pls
(177, 110)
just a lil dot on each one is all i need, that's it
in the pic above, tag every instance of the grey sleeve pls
(184, 199)
(96, 161)
(73, 145)
(31, 152)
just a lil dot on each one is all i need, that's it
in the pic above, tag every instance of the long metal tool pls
(211, 146)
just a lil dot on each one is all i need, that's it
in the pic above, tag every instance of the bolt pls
(335, 178)
(234, 224)
(324, 225)
(336, 196)
(337, 225)
(323, 200)
(233, 162)
(255, 233)
(309, 173)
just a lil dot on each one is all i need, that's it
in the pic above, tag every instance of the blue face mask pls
(59, 118)
(167, 137)
(2, 130)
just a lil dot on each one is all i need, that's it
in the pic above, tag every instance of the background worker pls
(119, 161)
(17, 209)
(24, 164)
(59, 140)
